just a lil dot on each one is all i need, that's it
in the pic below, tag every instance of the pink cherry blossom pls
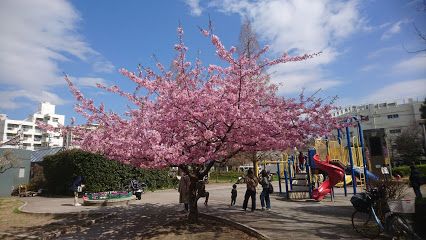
(196, 114)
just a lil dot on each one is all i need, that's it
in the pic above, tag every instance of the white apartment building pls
(28, 135)
(391, 117)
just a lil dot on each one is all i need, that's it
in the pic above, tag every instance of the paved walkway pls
(302, 219)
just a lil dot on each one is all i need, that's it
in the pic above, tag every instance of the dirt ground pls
(11, 220)
(124, 224)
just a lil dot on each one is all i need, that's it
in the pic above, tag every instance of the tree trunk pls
(193, 200)
(255, 165)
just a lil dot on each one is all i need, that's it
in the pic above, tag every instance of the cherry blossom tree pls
(195, 115)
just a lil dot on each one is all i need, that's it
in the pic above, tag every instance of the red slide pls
(335, 175)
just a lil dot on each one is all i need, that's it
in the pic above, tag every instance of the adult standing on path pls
(415, 181)
(301, 162)
(77, 186)
(252, 182)
(264, 196)
(183, 189)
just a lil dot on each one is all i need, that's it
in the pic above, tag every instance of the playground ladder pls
(300, 186)
(362, 180)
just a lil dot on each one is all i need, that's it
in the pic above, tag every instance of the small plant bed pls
(107, 198)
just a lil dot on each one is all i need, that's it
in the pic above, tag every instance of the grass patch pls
(225, 177)
(16, 210)
(12, 220)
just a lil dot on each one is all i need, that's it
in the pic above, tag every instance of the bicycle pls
(370, 218)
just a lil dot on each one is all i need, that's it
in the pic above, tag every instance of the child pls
(233, 194)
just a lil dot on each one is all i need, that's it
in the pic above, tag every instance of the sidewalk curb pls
(80, 213)
(249, 230)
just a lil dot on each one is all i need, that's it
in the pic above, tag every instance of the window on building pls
(21, 173)
(10, 135)
(11, 126)
(393, 116)
(27, 127)
(393, 131)
(55, 119)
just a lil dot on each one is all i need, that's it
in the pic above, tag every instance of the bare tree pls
(419, 33)
(249, 45)
(409, 144)
(8, 160)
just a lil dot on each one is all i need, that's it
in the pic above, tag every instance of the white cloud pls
(394, 29)
(194, 5)
(104, 66)
(300, 26)
(8, 99)
(416, 64)
(35, 36)
(295, 82)
(380, 52)
(397, 91)
(88, 81)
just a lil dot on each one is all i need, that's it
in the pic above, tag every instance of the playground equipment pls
(352, 157)
(348, 180)
(297, 184)
(345, 164)
(335, 175)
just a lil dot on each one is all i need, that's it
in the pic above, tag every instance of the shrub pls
(100, 173)
(37, 180)
(405, 170)
(393, 190)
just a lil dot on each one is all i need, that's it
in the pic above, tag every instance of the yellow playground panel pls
(283, 163)
(348, 179)
(338, 152)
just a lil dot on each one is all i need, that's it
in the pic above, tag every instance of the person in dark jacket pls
(264, 196)
(301, 162)
(251, 182)
(233, 194)
(77, 186)
(415, 181)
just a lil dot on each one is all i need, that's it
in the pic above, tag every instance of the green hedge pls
(230, 176)
(405, 170)
(101, 174)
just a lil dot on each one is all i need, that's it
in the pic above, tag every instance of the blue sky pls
(366, 46)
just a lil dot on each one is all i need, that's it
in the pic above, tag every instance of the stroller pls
(137, 188)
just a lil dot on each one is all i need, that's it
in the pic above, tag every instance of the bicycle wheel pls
(400, 228)
(364, 224)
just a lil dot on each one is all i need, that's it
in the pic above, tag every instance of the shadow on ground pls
(147, 221)
(305, 221)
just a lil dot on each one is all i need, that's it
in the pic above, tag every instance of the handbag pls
(270, 188)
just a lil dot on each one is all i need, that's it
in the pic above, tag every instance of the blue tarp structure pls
(37, 156)
(11, 178)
